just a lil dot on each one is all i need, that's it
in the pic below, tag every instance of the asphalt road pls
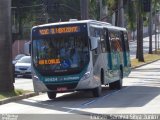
(140, 95)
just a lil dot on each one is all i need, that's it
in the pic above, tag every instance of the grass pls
(17, 92)
(147, 58)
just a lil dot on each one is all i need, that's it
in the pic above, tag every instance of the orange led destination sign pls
(49, 61)
(60, 30)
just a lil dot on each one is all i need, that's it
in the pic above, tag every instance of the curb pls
(144, 64)
(18, 98)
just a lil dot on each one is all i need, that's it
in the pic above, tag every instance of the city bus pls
(79, 55)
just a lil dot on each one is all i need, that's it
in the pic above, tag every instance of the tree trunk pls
(116, 14)
(155, 26)
(120, 14)
(140, 33)
(150, 31)
(84, 9)
(6, 71)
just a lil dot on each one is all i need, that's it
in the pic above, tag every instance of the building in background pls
(20, 47)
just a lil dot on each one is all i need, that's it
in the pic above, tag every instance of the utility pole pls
(6, 69)
(150, 29)
(84, 9)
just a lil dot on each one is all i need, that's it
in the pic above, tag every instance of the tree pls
(6, 76)
(130, 17)
(96, 9)
(140, 55)
(34, 12)
(84, 9)
(150, 29)
(116, 7)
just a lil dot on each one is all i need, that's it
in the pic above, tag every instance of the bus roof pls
(115, 28)
(73, 22)
(95, 23)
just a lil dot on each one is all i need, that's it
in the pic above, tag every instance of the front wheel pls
(117, 84)
(51, 95)
(97, 91)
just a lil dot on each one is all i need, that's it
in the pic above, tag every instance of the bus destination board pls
(59, 30)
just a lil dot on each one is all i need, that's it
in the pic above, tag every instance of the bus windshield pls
(61, 55)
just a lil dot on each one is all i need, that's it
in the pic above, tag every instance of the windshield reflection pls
(67, 54)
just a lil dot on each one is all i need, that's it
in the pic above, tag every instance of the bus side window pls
(109, 49)
(96, 52)
(126, 42)
(103, 42)
(107, 39)
(116, 44)
(98, 49)
(113, 42)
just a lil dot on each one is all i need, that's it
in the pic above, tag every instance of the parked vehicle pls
(23, 66)
(19, 56)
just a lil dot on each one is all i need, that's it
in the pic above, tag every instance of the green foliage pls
(94, 9)
(131, 15)
(33, 15)
(29, 13)
(112, 6)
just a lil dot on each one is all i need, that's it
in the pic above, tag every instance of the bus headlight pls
(86, 75)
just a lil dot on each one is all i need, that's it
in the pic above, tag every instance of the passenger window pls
(103, 42)
(126, 41)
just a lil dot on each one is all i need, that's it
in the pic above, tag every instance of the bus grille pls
(69, 87)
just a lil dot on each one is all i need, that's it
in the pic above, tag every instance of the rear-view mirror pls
(94, 42)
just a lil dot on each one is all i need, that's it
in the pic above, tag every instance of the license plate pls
(60, 89)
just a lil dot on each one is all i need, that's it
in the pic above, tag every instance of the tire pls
(51, 95)
(117, 85)
(97, 91)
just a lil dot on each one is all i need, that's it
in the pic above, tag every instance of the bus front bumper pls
(89, 83)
